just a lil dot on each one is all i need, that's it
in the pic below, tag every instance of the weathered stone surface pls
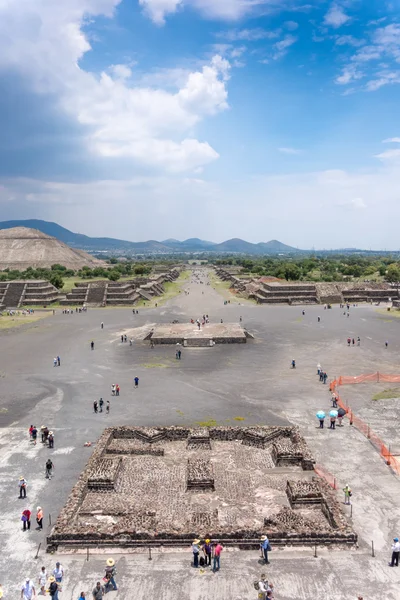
(149, 486)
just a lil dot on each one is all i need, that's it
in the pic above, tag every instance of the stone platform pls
(190, 335)
(165, 486)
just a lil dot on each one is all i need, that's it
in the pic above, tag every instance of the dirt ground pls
(227, 384)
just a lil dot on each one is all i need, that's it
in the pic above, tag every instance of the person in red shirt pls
(217, 556)
(26, 519)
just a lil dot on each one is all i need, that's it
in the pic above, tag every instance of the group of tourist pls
(46, 435)
(323, 376)
(98, 406)
(204, 551)
(70, 311)
(48, 584)
(352, 341)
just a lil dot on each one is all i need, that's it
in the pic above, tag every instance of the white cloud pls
(348, 40)
(291, 25)
(383, 78)
(349, 73)
(157, 10)
(389, 154)
(249, 35)
(220, 9)
(237, 52)
(352, 203)
(159, 199)
(44, 43)
(395, 140)
(289, 151)
(281, 47)
(336, 17)
(121, 71)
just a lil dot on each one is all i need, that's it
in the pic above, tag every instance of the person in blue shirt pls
(136, 380)
(265, 547)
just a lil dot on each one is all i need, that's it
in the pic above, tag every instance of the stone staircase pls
(77, 296)
(13, 293)
(277, 293)
(97, 292)
(39, 293)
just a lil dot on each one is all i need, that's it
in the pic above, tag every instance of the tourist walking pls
(95, 406)
(110, 574)
(347, 494)
(108, 407)
(53, 587)
(386, 344)
(50, 439)
(58, 361)
(332, 422)
(49, 468)
(196, 551)
(117, 389)
(92, 345)
(265, 547)
(39, 517)
(28, 590)
(217, 556)
(395, 553)
(26, 519)
(136, 380)
(98, 591)
(262, 586)
(58, 572)
(101, 402)
(325, 377)
(34, 435)
(102, 325)
(42, 581)
(22, 487)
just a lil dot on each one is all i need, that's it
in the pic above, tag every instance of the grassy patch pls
(387, 394)
(154, 365)
(7, 322)
(171, 289)
(209, 423)
(239, 418)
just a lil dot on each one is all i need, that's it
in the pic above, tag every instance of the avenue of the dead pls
(246, 385)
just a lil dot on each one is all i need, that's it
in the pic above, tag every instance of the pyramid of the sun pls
(21, 247)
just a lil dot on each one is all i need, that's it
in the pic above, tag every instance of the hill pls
(23, 247)
(115, 246)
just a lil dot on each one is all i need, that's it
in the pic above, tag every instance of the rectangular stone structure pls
(200, 474)
(103, 474)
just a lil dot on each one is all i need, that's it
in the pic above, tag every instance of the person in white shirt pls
(58, 572)
(395, 553)
(42, 581)
(27, 590)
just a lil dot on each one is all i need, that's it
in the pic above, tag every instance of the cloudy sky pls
(151, 119)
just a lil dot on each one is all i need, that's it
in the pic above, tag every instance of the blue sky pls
(150, 119)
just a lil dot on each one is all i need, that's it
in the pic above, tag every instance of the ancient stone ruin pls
(153, 486)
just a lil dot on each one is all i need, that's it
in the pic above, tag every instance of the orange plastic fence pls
(329, 478)
(361, 425)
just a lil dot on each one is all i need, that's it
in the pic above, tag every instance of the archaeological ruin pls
(165, 486)
(189, 334)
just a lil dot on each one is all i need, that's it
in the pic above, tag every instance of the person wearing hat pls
(53, 587)
(207, 549)
(22, 487)
(395, 552)
(196, 550)
(265, 547)
(110, 574)
(58, 572)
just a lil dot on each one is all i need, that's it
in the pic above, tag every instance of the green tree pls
(292, 272)
(393, 273)
(56, 280)
(113, 275)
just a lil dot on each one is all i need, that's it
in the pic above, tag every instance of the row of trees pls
(335, 268)
(57, 273)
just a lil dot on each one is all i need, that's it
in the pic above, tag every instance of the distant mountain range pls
(114, 246)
